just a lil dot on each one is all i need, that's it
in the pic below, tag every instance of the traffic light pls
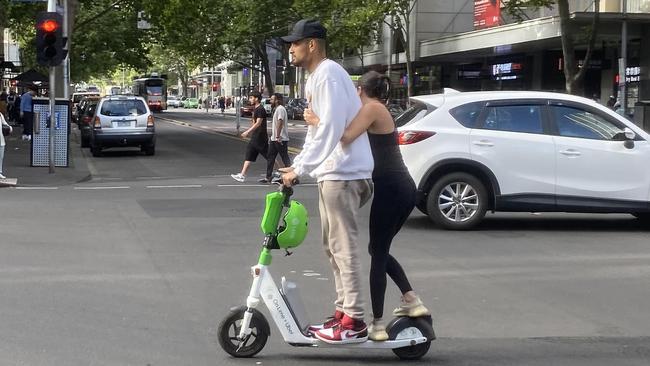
(49, 39)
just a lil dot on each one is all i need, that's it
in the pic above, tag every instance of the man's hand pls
(288, 177)
(22, 114)
(244, 134)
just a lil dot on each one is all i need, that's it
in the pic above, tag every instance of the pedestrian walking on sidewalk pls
(27, 112)
(279, 143)
(259, 138)
(3, 123)
(222, 105)
(11, 99)
(3, 105)
(343, 175)
(206, 105)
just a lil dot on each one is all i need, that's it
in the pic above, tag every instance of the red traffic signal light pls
(49, 39)
(49, 25)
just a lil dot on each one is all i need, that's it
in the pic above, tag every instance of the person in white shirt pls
(3, 123)
(279, 143)
(343, 173)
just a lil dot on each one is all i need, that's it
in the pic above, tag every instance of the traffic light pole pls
(52, 117)
(51, 6)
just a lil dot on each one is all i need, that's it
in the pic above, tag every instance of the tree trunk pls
(573, 76)
(264, 58)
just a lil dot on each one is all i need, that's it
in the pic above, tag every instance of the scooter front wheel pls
(229, 331)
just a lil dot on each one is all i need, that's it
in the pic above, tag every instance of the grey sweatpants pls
(339, 204)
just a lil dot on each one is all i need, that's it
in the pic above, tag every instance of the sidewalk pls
(17, 164)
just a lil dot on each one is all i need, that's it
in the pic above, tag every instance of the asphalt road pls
(137, 266)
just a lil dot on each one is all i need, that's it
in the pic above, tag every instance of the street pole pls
(51, 7)
(390, 49)
(237, 111)
(66, 60)
(622, 80)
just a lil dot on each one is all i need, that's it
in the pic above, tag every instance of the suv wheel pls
(96, 150)
(85, 141)
(457, 201)
(148, 149)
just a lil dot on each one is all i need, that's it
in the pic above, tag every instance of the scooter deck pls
(390, 344)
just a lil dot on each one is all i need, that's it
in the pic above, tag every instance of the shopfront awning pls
(531, 35)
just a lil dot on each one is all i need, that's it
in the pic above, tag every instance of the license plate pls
(123, 124)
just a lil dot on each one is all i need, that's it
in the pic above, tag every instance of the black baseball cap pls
(306, 28)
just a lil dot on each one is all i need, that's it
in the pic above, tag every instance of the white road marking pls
(178, 186)
(37, 188)
(98, 188)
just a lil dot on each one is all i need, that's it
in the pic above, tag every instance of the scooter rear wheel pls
(229, 330)
(404, 327)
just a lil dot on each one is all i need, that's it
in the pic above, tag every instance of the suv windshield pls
(123, 108)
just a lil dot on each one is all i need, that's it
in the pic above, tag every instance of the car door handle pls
(570, 152)
(485, 143)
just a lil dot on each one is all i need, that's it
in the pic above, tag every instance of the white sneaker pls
(238, 177)
(2, 176)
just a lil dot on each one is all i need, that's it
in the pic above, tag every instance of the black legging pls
(392, 204)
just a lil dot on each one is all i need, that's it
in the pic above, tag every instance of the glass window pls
(414, 113)
(467, 114)
(576, 122)
(123, 108)
(514, 118)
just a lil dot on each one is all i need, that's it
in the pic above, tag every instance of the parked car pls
(191, 103)
(123, 121)
(470, 153)
(82, 105)
(295, 108)
(266, 102)
(246, 109)
(76, 98)
(85, 118)
(174, 101)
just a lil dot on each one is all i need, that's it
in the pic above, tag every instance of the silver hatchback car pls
(123, 121)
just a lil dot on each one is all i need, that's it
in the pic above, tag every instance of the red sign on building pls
(487, 13)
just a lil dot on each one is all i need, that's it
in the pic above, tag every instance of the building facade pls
(452, 47)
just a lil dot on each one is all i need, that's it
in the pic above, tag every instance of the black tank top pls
(388, 158)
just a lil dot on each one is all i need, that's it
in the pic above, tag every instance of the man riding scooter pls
(343, 175)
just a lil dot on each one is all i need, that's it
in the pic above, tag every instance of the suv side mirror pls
(629, 138)
(629, 134)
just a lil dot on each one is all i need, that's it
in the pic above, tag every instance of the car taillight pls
(411, 137)
(97, 123)
(150, 121)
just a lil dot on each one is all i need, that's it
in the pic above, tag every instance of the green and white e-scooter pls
(244, 332)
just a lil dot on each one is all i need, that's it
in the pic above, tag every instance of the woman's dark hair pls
(375, 85)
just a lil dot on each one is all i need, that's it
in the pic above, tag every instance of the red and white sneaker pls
(348, 330)
(328, 323)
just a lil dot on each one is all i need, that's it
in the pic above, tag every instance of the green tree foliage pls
(105, 38)
(574, 76)
(104, 35)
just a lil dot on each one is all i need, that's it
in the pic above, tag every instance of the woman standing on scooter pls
(393, 201)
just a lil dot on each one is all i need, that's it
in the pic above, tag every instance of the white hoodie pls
(333, 98)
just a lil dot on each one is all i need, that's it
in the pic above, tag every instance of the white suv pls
(123, 121)
(522, 152)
